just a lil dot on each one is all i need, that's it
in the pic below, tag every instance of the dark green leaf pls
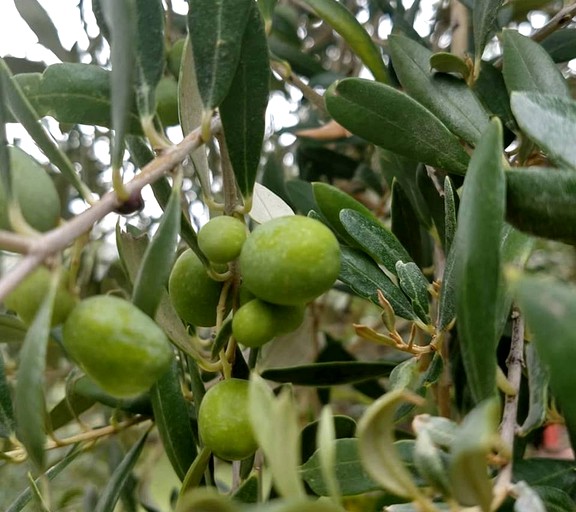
(447, 303)
(216, 27)
(68, 409)
(527, 67)
(449, 63)
(348, 470)
(484, 23)
(173, 421)
(428, 182)
(450, 213)
(538, 379)
(157, 261)
(391, 119)
(329, 374)
(6, 409)
(549, 121)
(537, 472)
(365, 278)
(301, 62)
(344, 22)
(111, 493)
(561, 45)
(29, 395)
(446, 96)
(149, 53)
(301, 196)
(374, 238)
(344, 427)
(12, 329)
(19, 65)
(249, 489)
(550, 311)
(243, 109)
(555, 500)
(478, 237)
(415, 286)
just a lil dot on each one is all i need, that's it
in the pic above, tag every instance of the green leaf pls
(446, 62)
(270, 415)
(344, 427)
(447, 303)
(149, 53)
(325, 440)
(550, 311)
(446, 96)
(350, 474)
(120, 18)
(205, 499)
(68, 409)
(365, 278)
(527, 67)
(550, 121)
(29, 395)
(484, 23)
(543, 472)
(527, 499)
(243, 109)
(111, 493)
(173, 421)
(376, 446)
(468, 467)
(554, 500)
(333, 373)
(343, 21)
(450, 213)
(415, 286)
(12, 329)
(158, 259)
(7, 422)
(215, 28)
(538, 380)
(374, 238)
(430, 464)
(391, 119)
(561, 45)
(480, 224)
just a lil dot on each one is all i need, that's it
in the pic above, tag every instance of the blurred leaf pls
(527, 67)
(561, 45)
(445, 62)
(549, 121)
(12, 329)
(554, 500)
(243, 109)
(376, 446)
(270, 415)
(301, 196)
(538, 379)
(195, 473)
(344, 427)
(374, 238)
(38, 20)
(413, 283)
(149, 50)
(121, 20)
(477, 244)
(7, 422)
(484, 23)
(248, 490)
(527, 499)
(215, 28)
(205, 499)
(429, 463)
(68, 409)
(446, 96)
(365, 278)
(20, 66)
(301, 62)
(267, 206)
(326, 442)
(111, 493)
(344, 22)
(350, 474)
(442, 430)
(391, 119)
(158, 259)
(29, 395)
(173, 421)
(550, 311)
(474, 440)
(333, 373)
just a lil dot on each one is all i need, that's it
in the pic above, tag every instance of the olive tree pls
(342, 314)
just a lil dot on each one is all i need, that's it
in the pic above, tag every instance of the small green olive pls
(221, 238)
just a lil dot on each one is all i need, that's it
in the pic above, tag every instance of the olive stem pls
(14, 242)
(59, 238)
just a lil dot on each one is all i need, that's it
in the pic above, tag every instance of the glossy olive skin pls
(27, 298)
(290, 260)
(221, 238)
(224, 423)
(117, 345)
(193, 293)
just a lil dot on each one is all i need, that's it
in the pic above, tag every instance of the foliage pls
(391, 351)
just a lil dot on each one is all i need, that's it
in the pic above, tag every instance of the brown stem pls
(559, 20)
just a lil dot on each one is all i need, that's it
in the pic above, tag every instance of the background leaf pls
(561, 45)
(6, 409)
(484, 16)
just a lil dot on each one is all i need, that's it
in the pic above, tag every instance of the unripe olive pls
(26, 298)
(167, 101)
(117, 345)
(290, 260)
(224, 421)
(34, 191)
(175, 57)
(221, 238)
(194, 294)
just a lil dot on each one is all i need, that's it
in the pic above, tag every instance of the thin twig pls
(61, 237)
(558, 21)
(14, 242)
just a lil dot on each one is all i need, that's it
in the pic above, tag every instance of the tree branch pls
(558, 21)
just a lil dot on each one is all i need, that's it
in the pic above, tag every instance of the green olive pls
(221, 238)
(167, 101)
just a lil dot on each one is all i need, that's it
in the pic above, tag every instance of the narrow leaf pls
(449, 63)
(325, 440)
(115, 485)
(6, 409)
(429, 463)
(527, 67)
(550, 121)
(480, 223)
(447, 97)
(215, 28)
(484, 23)
(12, 329)
(450, 214)
(343, 21)
(415, 286)
(561, 45)
(391, 119)
(244, 107)
(492, 92)
(266, 205)
(365, 278)
(538, 380)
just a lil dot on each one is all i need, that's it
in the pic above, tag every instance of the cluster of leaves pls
(475, 157)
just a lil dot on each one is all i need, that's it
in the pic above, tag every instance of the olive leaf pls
(7, 421)
(484, 24)
(325, 440)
